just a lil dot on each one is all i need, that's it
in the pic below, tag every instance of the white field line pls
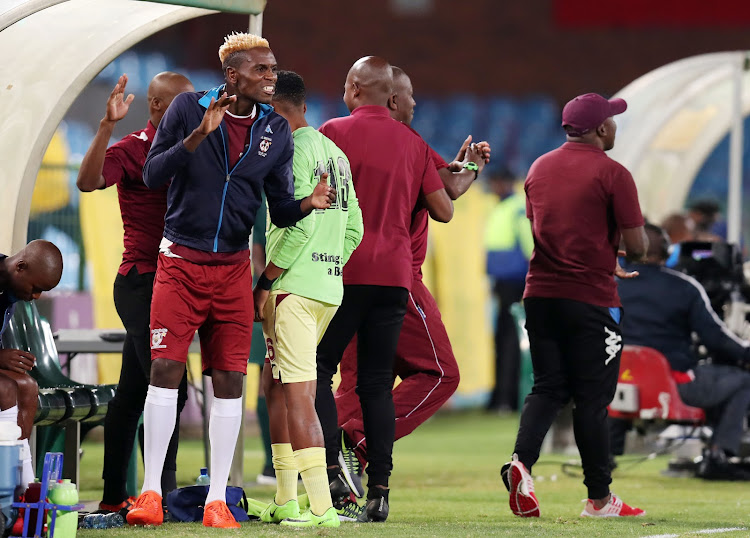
(704, 531)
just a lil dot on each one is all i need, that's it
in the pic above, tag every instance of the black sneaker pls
(716, 466)
(338, 486)
(351, 467)
(376, 508)
(343, 499)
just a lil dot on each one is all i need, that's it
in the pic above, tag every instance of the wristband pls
(474, 167)
(264, 282)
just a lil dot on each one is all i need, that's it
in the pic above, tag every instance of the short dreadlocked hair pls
(290, 88)
(237, 42)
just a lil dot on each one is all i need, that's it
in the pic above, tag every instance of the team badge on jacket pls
(265, 144)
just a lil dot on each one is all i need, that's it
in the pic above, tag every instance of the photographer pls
(663, 308)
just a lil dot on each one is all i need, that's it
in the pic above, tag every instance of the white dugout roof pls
(677, 115)
(49, 51)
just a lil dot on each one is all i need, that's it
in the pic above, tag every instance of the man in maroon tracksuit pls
(424, 356)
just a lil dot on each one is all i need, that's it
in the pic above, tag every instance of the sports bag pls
(186, 504)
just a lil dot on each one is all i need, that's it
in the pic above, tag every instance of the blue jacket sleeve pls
(168, 154)
(279, 187)
(713, 333)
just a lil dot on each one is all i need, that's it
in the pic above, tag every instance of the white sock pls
(159, 417)
(27, 473)
(223, 428)
(10, 415)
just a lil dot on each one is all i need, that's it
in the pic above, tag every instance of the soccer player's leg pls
(225, 341)
(180, 303)
(284, 504)
(294, 331)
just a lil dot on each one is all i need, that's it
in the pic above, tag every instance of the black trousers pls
(375, 314)
(575, 350)
(507, 352)
(132, 295)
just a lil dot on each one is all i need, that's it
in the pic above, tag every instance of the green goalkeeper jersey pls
(313, 251)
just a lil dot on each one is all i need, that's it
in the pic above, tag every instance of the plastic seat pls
(75, 407)
(647, 391)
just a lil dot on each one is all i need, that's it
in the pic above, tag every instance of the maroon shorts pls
(215, 300)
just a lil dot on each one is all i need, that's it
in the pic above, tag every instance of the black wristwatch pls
(471, 165)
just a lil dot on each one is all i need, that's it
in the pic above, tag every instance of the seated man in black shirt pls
(663, 308)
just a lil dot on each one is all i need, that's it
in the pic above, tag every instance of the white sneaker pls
(614, 508)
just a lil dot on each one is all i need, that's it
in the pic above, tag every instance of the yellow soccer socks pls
(311, 463)
(286, 472)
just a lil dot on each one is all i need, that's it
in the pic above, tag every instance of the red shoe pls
(17, 529)
(147, 510)
(125, 505)
(523, 501)
(217, 514)
(614, 508)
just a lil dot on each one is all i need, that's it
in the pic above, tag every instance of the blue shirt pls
(663, 307)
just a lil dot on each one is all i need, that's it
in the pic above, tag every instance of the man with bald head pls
(392, 169)
(23, 277)
(142, 212)
(424, 356)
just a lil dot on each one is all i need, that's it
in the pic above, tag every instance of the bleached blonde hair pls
(237, 41)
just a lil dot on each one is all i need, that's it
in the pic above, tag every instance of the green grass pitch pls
(446, 482)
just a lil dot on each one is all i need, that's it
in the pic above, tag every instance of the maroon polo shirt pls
(578, 200)
(142, 208)
(391, 169)
(419, 225)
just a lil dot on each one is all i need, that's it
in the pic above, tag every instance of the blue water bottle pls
(203, 479)
(102, 521)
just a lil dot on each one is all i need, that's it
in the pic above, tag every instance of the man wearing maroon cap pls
(580, 203)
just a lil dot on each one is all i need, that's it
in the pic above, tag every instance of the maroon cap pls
(589, 111)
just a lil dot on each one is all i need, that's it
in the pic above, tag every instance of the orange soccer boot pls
(147, 510)
(217, 514)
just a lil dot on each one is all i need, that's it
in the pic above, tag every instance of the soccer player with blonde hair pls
(220, 148)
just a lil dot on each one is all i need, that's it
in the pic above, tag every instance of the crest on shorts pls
(157, 335)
